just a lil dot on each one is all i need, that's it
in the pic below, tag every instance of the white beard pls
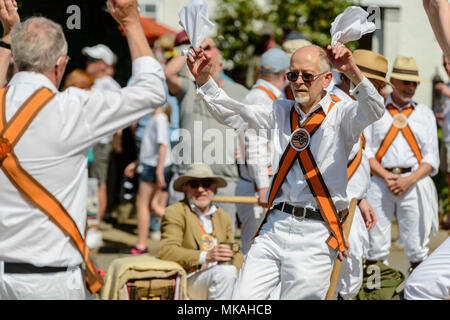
(302, 99)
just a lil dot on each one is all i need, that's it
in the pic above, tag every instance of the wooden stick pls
(236, 199)
(338, 263)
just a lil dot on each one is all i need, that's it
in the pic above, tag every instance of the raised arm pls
(172, 72)
(438, 12)
(8, 17)
(232, 113)
(126, 13)
(369, 106)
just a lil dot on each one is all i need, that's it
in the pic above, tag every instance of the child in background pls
(155, 170)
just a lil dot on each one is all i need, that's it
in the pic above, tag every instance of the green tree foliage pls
(239, 23)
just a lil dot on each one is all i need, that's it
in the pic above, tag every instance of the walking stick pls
(236, 199)
(338, 263)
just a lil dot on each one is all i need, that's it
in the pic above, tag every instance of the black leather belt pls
(398, 170)
(299, 212)
(29, 268)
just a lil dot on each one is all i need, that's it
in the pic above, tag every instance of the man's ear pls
(328, 78)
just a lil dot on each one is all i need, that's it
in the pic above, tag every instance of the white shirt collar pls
(390, 101)
(211, 211)
(276, 92)
(34, 79)
(324, 103)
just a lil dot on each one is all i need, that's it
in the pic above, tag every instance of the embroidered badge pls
(5, 147)
(300, 139)
(400, 120)
(208, 242)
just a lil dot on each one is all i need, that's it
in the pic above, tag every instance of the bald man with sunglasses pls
(301, 235)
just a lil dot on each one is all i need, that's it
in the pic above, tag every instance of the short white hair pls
(37, 44)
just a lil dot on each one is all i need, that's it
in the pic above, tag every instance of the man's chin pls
(302, 99)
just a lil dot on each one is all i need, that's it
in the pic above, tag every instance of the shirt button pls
(357, 92)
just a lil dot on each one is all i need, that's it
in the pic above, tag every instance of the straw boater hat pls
(405, 68)
(373, 65)
(198, 171)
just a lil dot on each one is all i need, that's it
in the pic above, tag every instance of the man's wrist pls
(354, 75)
(201, 80)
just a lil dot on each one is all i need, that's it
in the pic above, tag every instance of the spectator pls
(41, 243)
(100, 65)
(196, 120)
(78, 78)
(155, 175)
(192, 234)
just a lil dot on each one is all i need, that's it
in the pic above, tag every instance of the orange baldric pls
(31, 189)
(356, 161)
(312, 175)
(270, 94)
(393, 131)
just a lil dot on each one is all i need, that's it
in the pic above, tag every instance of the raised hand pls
(341, 58)
(8, 15)
(200, 65)
(124, 12)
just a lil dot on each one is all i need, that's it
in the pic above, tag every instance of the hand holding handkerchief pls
(350, 25)
(194, 18)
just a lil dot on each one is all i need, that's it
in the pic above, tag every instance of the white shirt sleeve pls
(234, 113)
(430, 149)
(105, 112)
(368, 108)
(162, 130)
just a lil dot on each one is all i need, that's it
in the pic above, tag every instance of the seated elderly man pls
(194, 232)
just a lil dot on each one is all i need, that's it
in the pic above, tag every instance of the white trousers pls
(406, 208)
(431, 279)
(289, 252)
(250, 215)
(351, 276)
(67, 285)
(214, 283)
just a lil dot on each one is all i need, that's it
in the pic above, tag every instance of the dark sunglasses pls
(407, 83)
(292, 76)
(194, 184)
(90, 59)
(208, 47)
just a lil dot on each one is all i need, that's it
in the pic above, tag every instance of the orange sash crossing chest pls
(399, 124)
(299, 149)
(31, 189)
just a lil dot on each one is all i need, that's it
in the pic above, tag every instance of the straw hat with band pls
(373, 65)
(198, 171)
(405, 68)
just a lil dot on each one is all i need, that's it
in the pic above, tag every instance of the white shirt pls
(257, 148)
(206, 222)
(105, 83)
(423, 125)
(156, 132)
(54, 151)
(330, 145)
(446, 123)
(359, 183)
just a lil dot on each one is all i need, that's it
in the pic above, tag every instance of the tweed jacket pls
(181, 237)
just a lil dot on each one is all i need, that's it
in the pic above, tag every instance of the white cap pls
(100, 51)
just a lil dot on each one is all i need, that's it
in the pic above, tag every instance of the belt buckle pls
(397, 170)
(299, 209)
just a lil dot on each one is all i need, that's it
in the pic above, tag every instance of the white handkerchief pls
(194, 18)
(350, 25)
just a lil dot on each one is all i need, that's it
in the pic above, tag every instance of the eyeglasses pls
(407, 83)
(208, 47)
(92, 60)
(292, 76)
(194, 184)
(68, 59)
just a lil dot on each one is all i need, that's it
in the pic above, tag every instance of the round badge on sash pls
(300, 139)
(400, 120)
(208, 242)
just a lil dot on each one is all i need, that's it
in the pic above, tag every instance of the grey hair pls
(324, 64)
(37, 44)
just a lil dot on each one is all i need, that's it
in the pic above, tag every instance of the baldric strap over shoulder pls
(393, 131)
(312, 175)
(269, 93)
(353, 164)
(30, 188)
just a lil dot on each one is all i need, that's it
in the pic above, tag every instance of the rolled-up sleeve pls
(430, 149)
